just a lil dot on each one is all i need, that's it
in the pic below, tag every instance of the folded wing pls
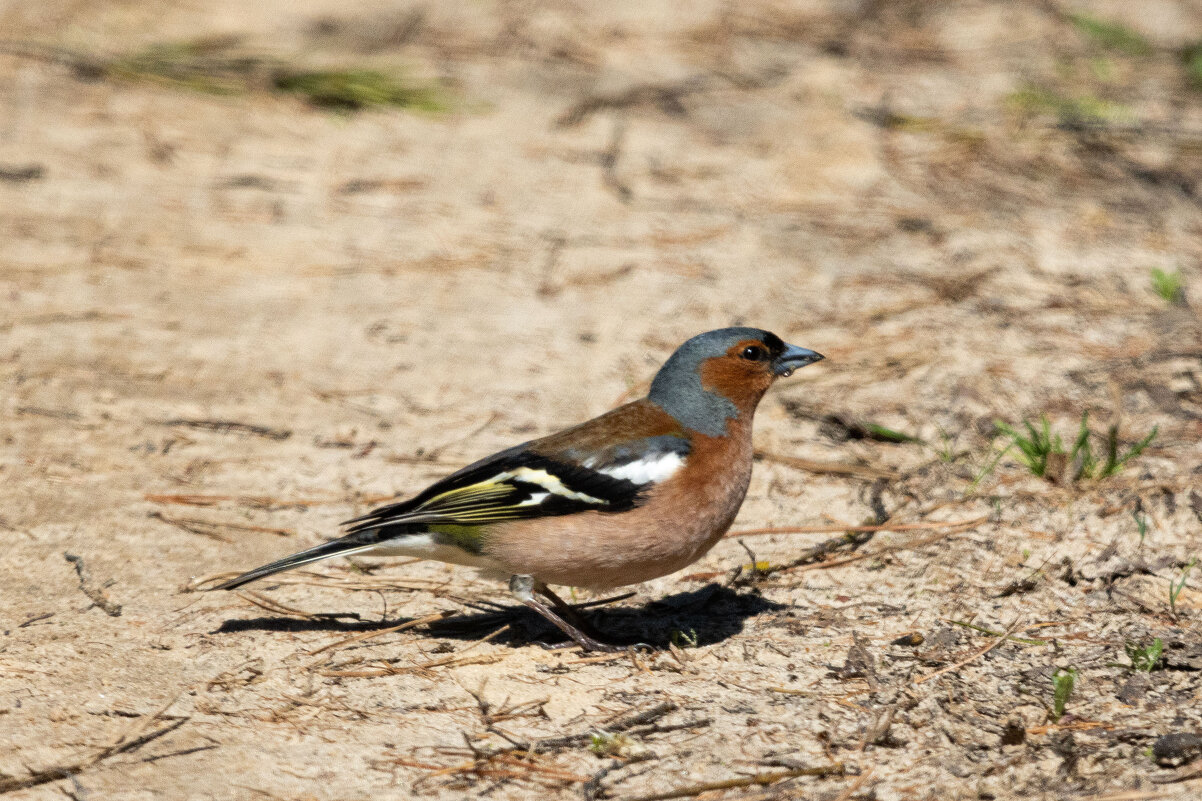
(522, 483)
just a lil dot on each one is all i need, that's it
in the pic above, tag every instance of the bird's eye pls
(753, 353)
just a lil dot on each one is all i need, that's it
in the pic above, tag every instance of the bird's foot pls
(524, 587)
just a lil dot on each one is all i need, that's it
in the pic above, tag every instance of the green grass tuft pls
(208, 66)
(1032, 100)
(221, 66)
(1141, 524)
(1063, 681)
(1111, 35)
(1178, 584)
(1043, 452)
(354, 90)
(1170, 286)
(1145, 659)
(1035, 446)
(883, 434)
(1192, 57)
(683, 639)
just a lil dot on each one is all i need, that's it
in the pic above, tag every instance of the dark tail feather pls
(340, 547)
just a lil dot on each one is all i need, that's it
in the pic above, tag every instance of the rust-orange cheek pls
(743, 382)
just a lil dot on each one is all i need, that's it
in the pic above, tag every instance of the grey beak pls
(794, 358)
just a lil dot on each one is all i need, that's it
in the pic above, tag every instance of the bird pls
(637, 493)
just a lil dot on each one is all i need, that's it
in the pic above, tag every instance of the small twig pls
(95, 594)
(903, 546)
(813, 558)
(812, 555)
(628, 722)
(212, 528)
(391, 629)
(612, 599)
(201, 527)
(755, 532)
(263, 602)
(129, 741)
(227, 426)
(761, 779)
(453, 660)
(1001, 639)
(641, 718)
(832, 468)
(307, 578)
(993, 633)
(856, 785)
(592, 788)
(609, 162)
(183, 752)
(389, 670)
(655, 728)
(83, 65)
(35, 619)
(258, 501)
(667, 97)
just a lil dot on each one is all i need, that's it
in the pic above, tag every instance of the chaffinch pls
(637, 493)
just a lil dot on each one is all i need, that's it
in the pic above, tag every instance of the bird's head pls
(722, 374)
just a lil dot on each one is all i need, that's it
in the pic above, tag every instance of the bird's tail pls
(340, 547)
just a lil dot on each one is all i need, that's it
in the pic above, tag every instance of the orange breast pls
(679, 522)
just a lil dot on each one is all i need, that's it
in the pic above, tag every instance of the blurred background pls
(263, 264)
(440, 213)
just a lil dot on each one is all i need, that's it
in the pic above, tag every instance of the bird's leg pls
(565, 610)
(523, 588)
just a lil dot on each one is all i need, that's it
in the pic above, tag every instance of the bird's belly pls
(599, 550)
(426, 546)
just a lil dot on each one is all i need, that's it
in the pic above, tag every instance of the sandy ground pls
(375, 299)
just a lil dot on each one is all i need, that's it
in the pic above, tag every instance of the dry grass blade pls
(263, 602)
(231, 426)
(306, 578)
(550, 772)
(96, 594)
(761, 779)
(756, 532)
(518, 759)
(213, 528)
(391, 629)
(815, 558)
(132, 738)
(454, 660)
(831, 468)
(856, 785)
(390, 670)
(996, 642)
(257, 501)
(624, 723)
(1076, 725)
(904, 546)
(193, 526)
(496, 767)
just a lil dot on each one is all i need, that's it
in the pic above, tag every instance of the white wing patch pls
(545, 480)
(646, 471)
(535, 499)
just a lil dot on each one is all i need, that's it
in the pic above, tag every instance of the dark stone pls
(1177, 748)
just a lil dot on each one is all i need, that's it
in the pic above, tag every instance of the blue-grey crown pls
(677, 386)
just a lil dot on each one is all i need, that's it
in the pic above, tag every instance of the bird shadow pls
(704, 616)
